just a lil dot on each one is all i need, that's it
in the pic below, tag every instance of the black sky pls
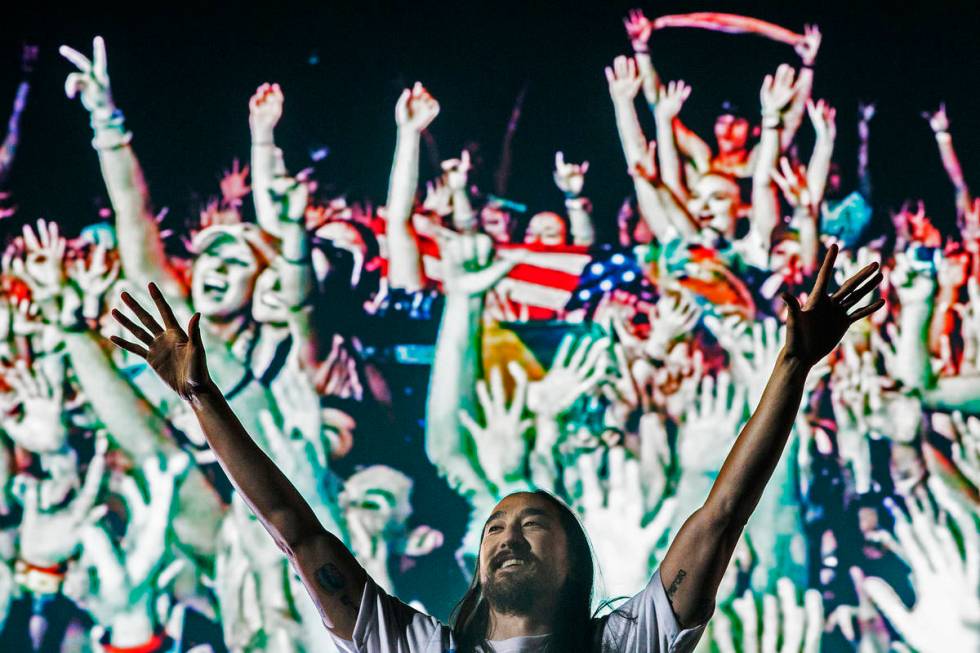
(183, 77)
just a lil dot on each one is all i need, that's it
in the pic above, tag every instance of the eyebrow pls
(524, 513)
(385, 494)
(496, 515)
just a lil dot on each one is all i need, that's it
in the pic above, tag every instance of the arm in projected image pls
(570, 179)
(939, 123)
(639, 28)
(777, 92)
(141, 247)
(468, 273)
(414, 112)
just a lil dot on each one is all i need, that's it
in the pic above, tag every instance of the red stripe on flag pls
(544, 277)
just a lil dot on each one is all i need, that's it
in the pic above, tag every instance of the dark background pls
(183, 76)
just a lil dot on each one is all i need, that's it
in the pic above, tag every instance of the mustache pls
(498, 560)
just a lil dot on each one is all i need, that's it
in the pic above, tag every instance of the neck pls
(277, 330)
(270, 336)
(728, 152)
(536, 622)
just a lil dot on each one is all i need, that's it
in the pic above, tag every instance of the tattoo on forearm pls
(678, 579)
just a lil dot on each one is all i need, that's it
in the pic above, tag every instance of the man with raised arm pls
(533, 586)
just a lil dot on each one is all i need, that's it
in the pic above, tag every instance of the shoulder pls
(385, 623)
(646, 624)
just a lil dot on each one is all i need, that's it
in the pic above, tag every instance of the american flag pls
(543, 282)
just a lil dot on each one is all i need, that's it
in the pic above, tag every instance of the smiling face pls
(524, 553)
(714, 203)
(731, 132)
(268, 305)
(223, 277)
(546, 229)
(496, 223)
(378, 497)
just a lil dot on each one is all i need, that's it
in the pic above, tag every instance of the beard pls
(513, 592)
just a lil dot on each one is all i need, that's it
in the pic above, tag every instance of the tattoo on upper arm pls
(330, 578)
(678, 579)
(333, 581)
(348, 602)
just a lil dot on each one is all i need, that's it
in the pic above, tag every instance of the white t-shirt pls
(644, 624)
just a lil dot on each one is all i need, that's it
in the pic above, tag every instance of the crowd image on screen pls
(614, 375)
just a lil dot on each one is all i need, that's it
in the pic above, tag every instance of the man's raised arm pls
(329, 571)
(699, 554)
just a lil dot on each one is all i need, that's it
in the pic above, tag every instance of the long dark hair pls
(574, 631)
